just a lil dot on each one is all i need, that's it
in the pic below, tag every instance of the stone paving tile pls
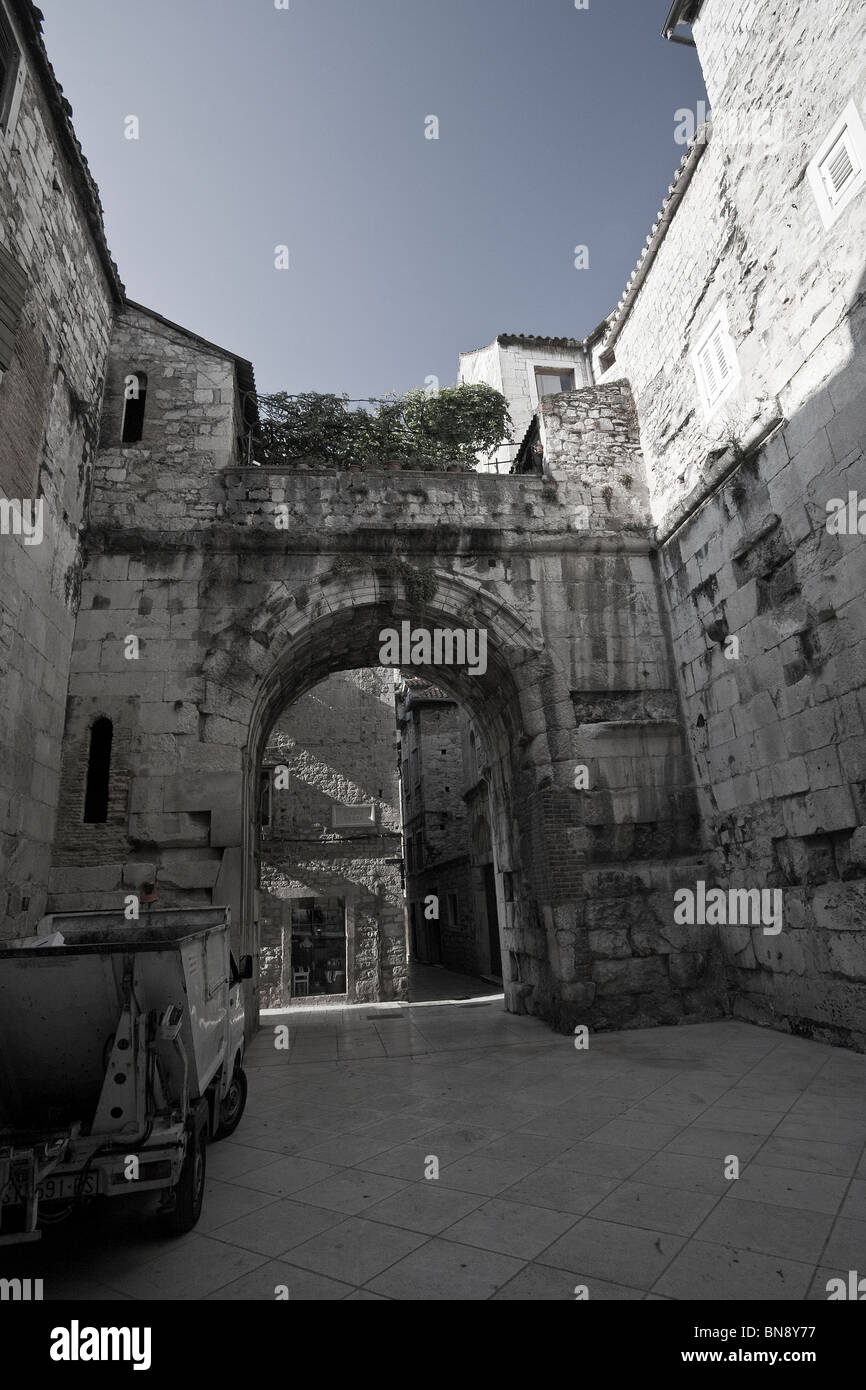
(608, 1160)
(225, 1201)
(511, 1228)
(656, 1208)
(283, 1176)
(561, 1190)
(708, 1271)
(847, 1245)
(828, 1129)
(425, 1207)
(547, 1285)
(619, 1254)
(349, 1191)
(524, 1147)
(446, 1271)
(345, 1149)
(702, 1141)
(356, 1250)
(260, 1285)
(809, 1155)
(751, 1121)
(687, 1172)
(636, 1134)
(769, 1229)
(854, 1205)
(787, 1187)
(569, 1124)
(227, 1161)
(276, 1228)
(479, 1173)
(192, 1270)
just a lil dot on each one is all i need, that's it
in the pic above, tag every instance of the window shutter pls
(718, 345)
(13, 289)
(708, 367)
(839, 168)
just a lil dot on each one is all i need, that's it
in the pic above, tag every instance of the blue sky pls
(305, 127)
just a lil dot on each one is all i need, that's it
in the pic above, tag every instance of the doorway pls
(318, 937)
(492, 921)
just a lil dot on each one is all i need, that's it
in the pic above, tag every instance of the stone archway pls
(521, 704)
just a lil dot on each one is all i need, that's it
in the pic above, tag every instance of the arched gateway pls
(216, 593)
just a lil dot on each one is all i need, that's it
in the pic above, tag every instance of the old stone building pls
(59, 289)
(450, 880)
(671, 701)
(525, 369)
(331, 901)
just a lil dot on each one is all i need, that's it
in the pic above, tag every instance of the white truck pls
(121, 1051)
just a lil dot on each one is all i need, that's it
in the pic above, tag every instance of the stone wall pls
(748, 234)
(278, 579)
(765, 602)
(49, 411)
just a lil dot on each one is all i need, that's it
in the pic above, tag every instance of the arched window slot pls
(98, 770)
(135, 398)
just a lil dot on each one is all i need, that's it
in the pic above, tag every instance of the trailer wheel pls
(232, 1107)
(189, 1191)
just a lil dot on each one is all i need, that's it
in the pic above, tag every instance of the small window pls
(135, 399)
(838, 171)
(607, 359)
(10, 58)
(98, 773)
(715, 362)
(550, 382)
(265, 787)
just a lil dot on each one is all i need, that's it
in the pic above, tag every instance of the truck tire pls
(232, 1107)
(189, 1191)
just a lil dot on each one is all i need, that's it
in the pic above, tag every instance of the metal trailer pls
(120, 1054)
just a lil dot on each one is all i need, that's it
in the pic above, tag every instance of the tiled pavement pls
(557, 1167)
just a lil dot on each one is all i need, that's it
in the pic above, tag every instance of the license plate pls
(58, 1189)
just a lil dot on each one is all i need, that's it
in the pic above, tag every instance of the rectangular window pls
(715, 362)
(10, 58)
(361, 815)
(838, 171)
(549, 381)
(13, 289)
(265, 786)
(318, 946)
(452, 909)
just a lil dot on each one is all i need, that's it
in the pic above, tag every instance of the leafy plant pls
(423, 430)
(312, 426)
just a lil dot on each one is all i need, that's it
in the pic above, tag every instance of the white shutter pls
(715, 361)
(837, 173)
(711, 385)
(839, 168)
